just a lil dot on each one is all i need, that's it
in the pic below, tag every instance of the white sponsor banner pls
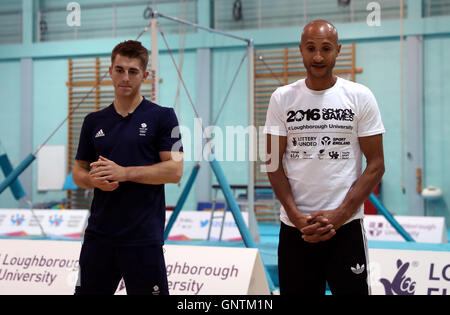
(406, 272)
(194, 225)
(51, 267)
(38, 267)
(421, 229)
(22, 222)
(200, 270)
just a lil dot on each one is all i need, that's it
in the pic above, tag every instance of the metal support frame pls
(252, 138)
(156, 14)
(218, 172)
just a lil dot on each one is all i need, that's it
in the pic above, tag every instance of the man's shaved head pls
(319, 48)
(320, 28)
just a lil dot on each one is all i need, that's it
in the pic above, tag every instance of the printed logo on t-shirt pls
(321, 155)
(321, 127)
(100, 133)
(316, 114)
(155, 290)
(143, 130)
(326, 140)
(304, 141)
(339, 155)
(311, 141)
(334, 155)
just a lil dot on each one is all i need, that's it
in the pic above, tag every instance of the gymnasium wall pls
(436, 118)
(380, 60)
(10, 120)
(50, 108)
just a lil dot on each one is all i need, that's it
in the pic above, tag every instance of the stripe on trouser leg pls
(78, 284)
(79, 277)
(366, 250)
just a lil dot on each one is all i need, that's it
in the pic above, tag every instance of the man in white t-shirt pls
(317, 130)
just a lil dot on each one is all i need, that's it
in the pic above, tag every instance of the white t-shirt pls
(323, 157)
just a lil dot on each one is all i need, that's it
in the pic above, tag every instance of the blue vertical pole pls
(385, 212)
(181, 200)
(232, 203)
(236, 211)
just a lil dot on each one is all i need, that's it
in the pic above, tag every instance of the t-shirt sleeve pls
(86, 149)
(369, 122)
(169, 134)
(275, 124)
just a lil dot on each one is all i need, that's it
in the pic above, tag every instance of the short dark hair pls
(131, 49)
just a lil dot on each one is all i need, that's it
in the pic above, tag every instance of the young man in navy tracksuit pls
(127, 152)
